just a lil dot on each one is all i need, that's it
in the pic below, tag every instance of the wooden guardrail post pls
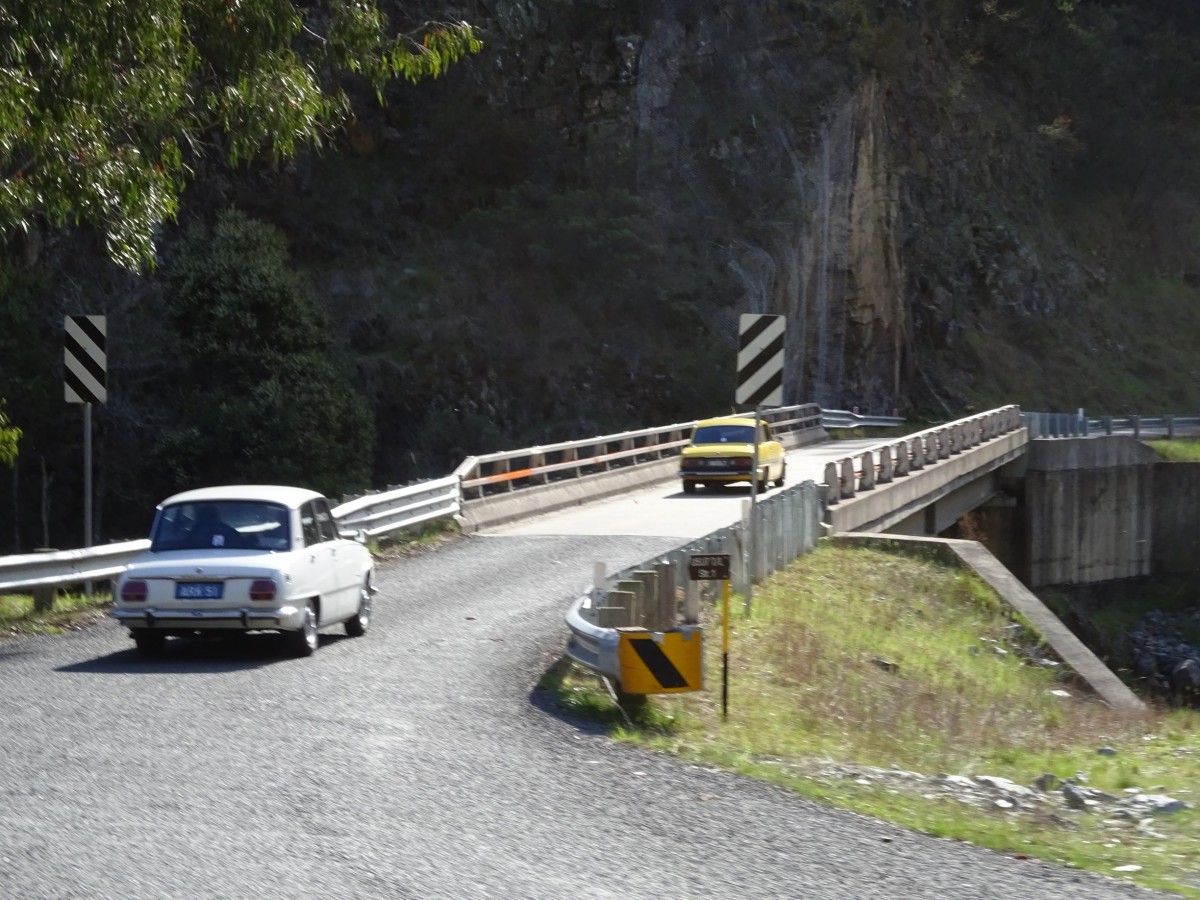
(616, 613)
(649, 611)
(667, 605)
(637, 607)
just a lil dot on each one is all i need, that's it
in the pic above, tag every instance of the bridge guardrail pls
(788, 525)
(840, 418)
(896, 459)
(511, 469)
(1058, 425)
(398, 508)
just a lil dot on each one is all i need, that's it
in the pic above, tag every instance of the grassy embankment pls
(857, 658)
(70, 611)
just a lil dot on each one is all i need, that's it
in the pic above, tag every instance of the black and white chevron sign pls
(760, 360)
(84, 359)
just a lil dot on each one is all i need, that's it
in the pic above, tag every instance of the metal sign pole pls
(750, 529)
(725, 649)
(85, 375)
(87, 483)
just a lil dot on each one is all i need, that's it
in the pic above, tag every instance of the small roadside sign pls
(710, 567)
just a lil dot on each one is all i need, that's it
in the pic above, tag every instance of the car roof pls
(268, 493)
(726, 420)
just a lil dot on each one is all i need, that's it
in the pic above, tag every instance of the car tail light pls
(262, 589)
(134, 591)
(691, 464)
(742, 461)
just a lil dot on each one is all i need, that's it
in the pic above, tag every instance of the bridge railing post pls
(902, 460)
(848, 481)
(918, 452)
(833, 491)
(885, 465)
(866, 481)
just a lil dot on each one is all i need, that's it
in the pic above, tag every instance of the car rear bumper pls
(282, 618)
(715, 475)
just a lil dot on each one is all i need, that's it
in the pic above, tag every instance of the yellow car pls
(722, 452)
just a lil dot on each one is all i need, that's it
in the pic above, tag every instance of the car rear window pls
(724, 434)
(222, 524)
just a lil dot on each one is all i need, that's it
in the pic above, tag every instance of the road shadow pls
(734, 490)
(548, 696)
(198, 655)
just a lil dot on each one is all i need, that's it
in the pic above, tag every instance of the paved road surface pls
(664, 509)
(416, 762)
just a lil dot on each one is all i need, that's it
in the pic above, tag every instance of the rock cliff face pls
(789, 162)
(955, 204)
(905, 184)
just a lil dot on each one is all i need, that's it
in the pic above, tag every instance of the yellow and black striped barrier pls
(661, 662)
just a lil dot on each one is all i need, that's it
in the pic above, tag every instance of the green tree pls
(10, 436)
(256, 392)
(104, 106)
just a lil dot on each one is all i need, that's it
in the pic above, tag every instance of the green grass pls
(860, 658)
(71, 611)
(1177, 451)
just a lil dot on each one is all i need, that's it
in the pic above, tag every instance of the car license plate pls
(199, 590)
(717, 463)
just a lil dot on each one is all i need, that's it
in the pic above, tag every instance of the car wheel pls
(763, 482)
(304, 640)
(149, 643)
(356, 625)
(689, 487)
(782, 475)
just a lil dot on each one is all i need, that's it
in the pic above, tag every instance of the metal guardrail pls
(371, 515)
(57, 568)
(510, 470)
(382, 513)
(1060, 425)
(886, 462)
(840, 418)
(395, 509)
(787, 525)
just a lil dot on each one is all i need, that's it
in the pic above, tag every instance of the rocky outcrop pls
(1169, 663)
(1065, 798)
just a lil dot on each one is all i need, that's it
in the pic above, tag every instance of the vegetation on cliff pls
(957, 204)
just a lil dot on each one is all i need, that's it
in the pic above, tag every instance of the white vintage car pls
(247, 558)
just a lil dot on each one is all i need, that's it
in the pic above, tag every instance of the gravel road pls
(415, 762)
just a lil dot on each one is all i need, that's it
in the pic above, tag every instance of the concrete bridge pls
(923, 484)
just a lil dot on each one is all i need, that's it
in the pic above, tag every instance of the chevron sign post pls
(759, 381)
(85, 364)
